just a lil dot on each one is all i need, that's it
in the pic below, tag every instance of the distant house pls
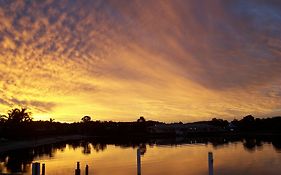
(183, 129)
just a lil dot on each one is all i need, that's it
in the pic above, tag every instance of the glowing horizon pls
(179, 60)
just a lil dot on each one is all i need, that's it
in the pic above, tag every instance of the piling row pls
(36, 169)
(78, 171)
(36, 166)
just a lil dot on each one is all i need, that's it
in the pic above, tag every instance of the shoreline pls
(10, 145)
(15, 145)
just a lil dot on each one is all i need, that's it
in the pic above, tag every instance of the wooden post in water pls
(43, 169)
(211, 163)
(87, 170)
(139, 161)
(36, 168)
(77, 171)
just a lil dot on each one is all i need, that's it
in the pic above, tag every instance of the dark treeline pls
(250, 124)
(19, 124)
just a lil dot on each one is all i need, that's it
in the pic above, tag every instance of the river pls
(239, 157)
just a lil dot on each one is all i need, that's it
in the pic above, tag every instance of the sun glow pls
(157, 59)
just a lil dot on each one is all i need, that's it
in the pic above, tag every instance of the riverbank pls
(22, 144)
(8, 145)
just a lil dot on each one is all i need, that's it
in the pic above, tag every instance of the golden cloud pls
(167, 60)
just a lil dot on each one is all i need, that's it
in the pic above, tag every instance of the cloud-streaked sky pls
(168, 60)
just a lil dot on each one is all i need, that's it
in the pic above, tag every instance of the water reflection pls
(20, 160)
(276, 144)
(252, 144)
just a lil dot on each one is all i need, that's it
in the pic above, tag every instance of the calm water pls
(232, 158)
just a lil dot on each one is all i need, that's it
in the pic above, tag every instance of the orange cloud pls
(167, 60)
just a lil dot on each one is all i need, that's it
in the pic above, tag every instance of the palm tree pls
(19, 115)
(3, 118)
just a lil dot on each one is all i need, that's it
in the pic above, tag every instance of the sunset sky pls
(168, 60)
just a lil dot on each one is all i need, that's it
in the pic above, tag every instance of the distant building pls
(183, 129)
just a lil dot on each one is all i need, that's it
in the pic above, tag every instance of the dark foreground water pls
(245, 157)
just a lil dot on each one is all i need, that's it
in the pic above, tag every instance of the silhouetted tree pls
(86, 119)
(19, 115)
(141, 119)
(235, 122)
(247, 123)
(248, 119)
(219, 122)
(3, 118)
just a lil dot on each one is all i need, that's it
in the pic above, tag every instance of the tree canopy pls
(17, 115)
(86, 119)
(141, 119)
